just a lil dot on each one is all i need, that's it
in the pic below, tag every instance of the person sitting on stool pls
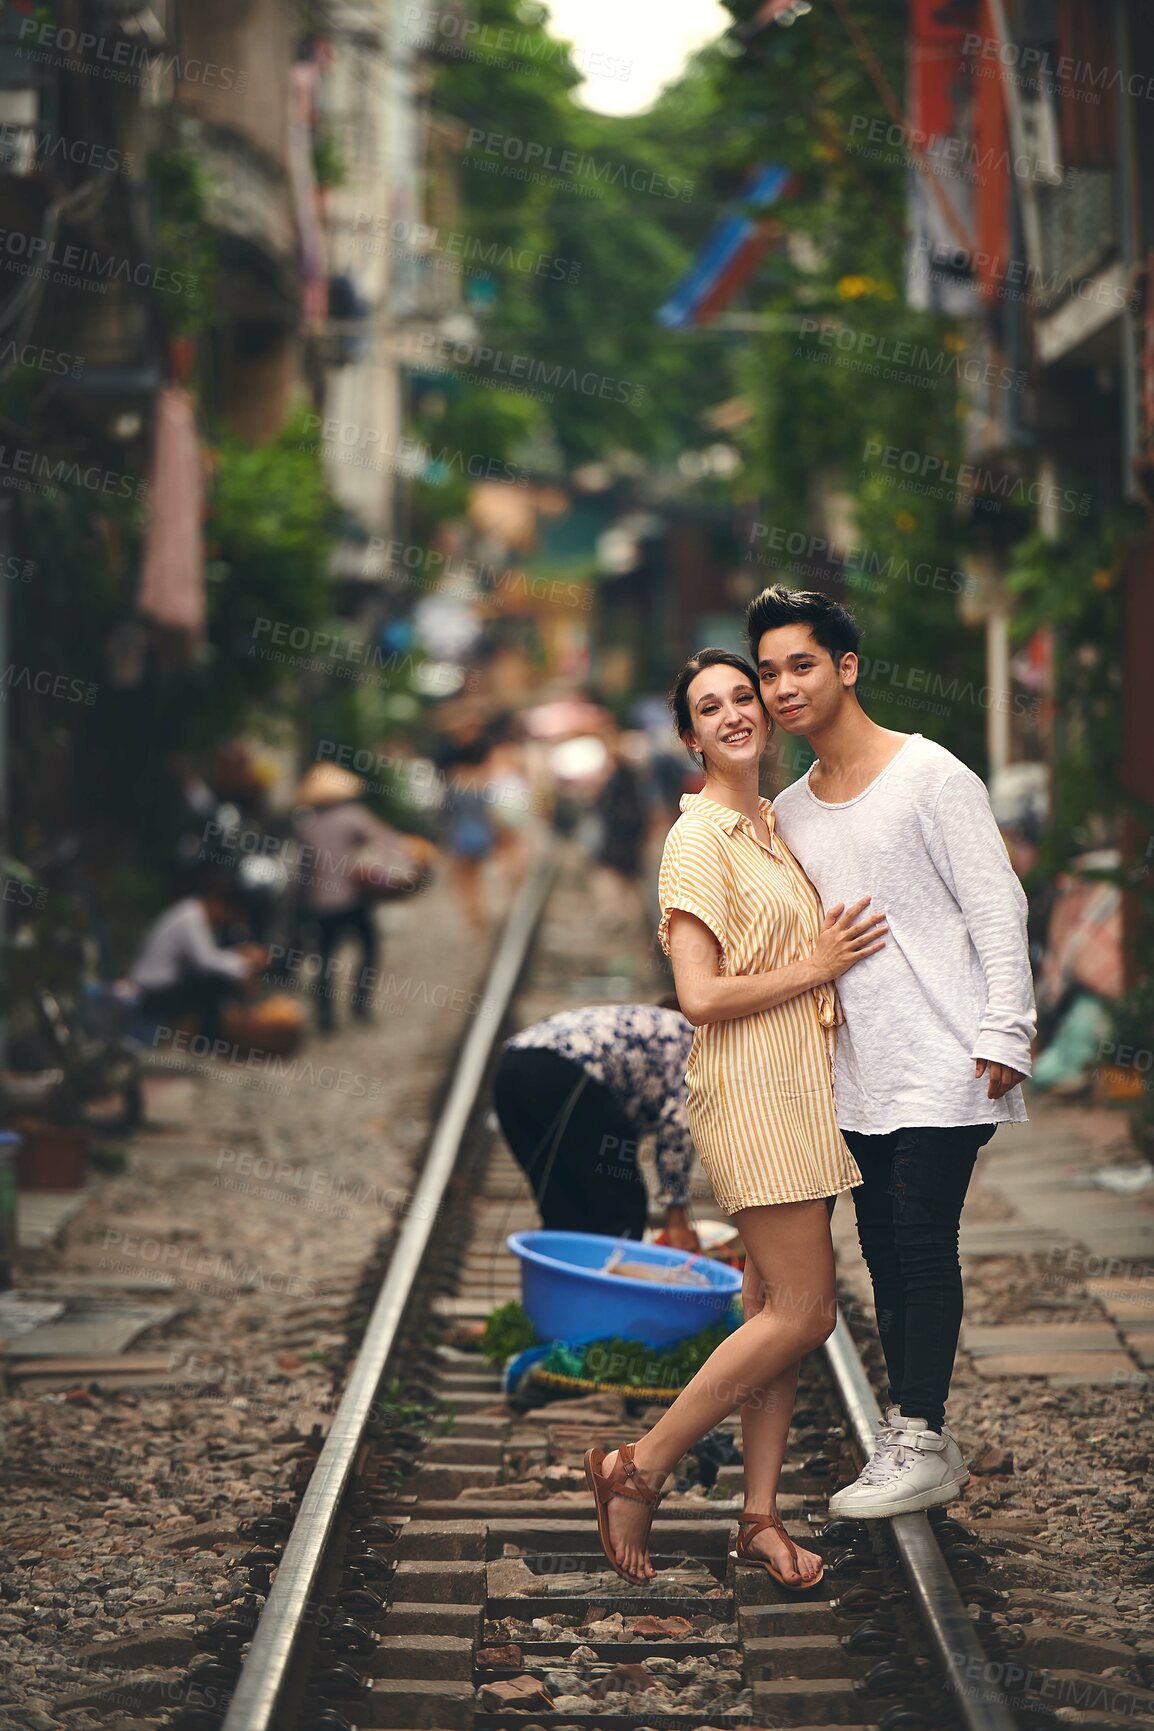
(181, 971)
(575, 1093)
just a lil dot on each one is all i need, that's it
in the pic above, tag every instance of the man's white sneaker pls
(894, 1421)
(912, 1468)
(955, 1459)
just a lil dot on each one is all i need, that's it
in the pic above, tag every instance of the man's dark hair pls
(834, 626)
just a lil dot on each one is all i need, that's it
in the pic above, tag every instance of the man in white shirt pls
(938, 1024)
(180, 969)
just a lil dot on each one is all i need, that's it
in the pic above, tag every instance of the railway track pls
(442, 1568)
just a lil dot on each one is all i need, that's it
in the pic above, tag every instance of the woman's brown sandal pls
(625, 1481)
(755, 1524)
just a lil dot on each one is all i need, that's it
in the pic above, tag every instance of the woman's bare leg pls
(765, 1422)
(792, 1240)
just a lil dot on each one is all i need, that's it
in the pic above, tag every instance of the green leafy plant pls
(184, 239)
(508, 1331)
(1073, 585)
(630, 1363)
(269, 534)
(329, 165)
(108, 1159)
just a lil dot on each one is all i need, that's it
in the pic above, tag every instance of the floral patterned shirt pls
(639, 1053)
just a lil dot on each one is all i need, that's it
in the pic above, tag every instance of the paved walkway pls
(1038, 1192)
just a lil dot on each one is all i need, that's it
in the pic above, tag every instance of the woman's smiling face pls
(729, 723)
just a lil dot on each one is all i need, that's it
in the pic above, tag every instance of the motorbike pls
(69, 1054)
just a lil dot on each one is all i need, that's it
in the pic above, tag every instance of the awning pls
(730, 255)
(172, 582)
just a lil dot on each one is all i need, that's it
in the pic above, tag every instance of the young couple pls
(925, 934)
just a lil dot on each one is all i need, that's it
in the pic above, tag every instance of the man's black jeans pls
(908, 1208)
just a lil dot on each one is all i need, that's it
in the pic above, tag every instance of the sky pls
(629, 49)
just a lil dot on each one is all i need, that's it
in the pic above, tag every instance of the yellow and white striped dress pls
(761, 1102)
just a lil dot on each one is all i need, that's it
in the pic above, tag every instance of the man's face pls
(800, 686)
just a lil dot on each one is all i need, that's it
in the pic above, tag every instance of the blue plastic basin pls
(566, 1297)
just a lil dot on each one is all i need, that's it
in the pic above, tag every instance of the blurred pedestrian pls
(622, 811)
(469, 834)
(181, 970)
(510, 800)
(574, 1096)
(349, 858)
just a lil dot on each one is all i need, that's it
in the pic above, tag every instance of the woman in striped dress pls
(754, 963)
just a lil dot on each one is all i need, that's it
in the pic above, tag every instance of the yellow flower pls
(856, 288)
(955, 343)
(905, 522)
(1103, 578)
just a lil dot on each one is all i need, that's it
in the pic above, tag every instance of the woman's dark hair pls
(834, 626)
(679, 696)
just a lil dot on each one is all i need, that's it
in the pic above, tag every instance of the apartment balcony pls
(1081, 284)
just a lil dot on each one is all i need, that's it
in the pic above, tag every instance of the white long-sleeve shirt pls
(953, 983)
(179, 944)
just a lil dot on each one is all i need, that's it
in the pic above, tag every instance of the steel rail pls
(257, 1697)
(981, 1705)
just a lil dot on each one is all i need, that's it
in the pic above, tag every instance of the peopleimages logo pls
(20, 143)
(45, 683)
(815, 553)
(956, 156)
(528, 156)
(451, 249)
(119, 60)
(937, 477)
(38, 250)
(349, 442)
(1036, 66)
(23, 467)
(925, 682)
(1015, 279)
(500, 45)
(43, 360)
(507, 370)
(897, 357)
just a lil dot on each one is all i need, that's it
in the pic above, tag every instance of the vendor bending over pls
(575, 1094)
